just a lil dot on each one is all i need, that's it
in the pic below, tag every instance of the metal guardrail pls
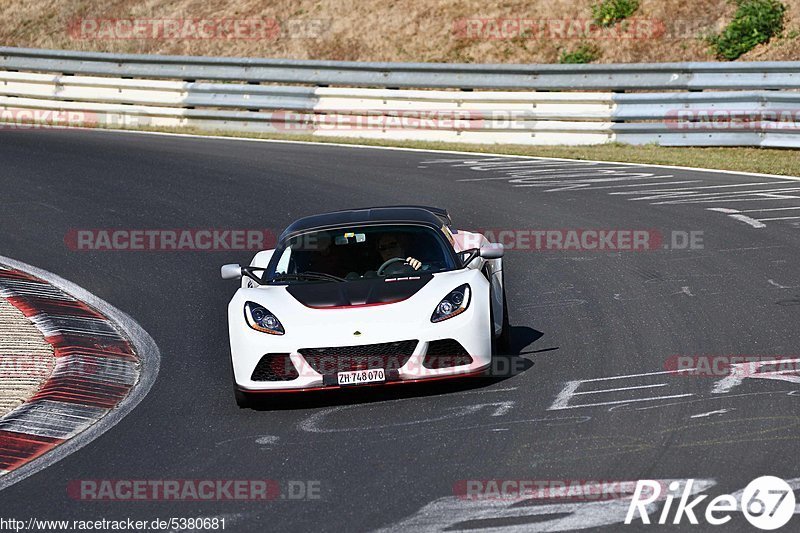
(669, 76)
(753, 104)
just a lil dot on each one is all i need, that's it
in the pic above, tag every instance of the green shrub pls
(585, 53)
(609, 12)
(754, 22)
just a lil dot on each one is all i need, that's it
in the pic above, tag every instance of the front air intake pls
(387, 355)
(445, 353)
(275, 367)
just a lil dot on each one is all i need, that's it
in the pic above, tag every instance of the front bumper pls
(391, 380)
(307, 330)
(314, 372)
(310, 374)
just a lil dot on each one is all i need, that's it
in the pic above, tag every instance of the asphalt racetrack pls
(594, 334)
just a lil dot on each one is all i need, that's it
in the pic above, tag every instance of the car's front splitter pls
(392, 378)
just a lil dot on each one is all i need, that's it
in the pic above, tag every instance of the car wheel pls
(504, 341)
(242, 398)
(491, 327)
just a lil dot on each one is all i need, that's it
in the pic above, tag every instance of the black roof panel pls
(404, 214)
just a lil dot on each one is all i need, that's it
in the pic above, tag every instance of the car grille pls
(387, 355)
(275, 367)
(445, 354)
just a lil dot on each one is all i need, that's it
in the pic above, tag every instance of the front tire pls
(504, 341)
(242, 398)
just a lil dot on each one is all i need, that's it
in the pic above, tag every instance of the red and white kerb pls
(95, 368)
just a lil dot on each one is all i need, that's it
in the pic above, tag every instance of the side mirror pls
(492, 251)
(232, 271)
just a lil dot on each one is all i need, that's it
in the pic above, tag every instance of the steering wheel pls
(391, 261)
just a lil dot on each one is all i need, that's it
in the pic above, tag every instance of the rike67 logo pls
(767, 502)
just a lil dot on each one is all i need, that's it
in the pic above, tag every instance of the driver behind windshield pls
(394, 246)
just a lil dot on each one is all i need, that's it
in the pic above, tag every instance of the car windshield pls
(362, 252)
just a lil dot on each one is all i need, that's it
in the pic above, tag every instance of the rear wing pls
(443, 215)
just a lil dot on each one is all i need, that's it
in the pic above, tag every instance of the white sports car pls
(363, 297)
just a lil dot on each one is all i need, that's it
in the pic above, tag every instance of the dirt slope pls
(380, 30)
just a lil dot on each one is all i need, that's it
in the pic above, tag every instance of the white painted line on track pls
(762, 197)
(737, 215)
(660, 373)
(547, 173)
(648, 184)
(768, 209)
(779, 286)
(145, 348)
(621, 389)
(750, 221)
(713, 197)
(472, 155)
(618, 402)
(778, 218)
(717, 412)
(688, 190)
(570, 391)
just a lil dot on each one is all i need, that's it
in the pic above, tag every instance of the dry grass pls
(386, 30)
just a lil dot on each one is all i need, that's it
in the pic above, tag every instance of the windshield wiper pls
(307, 276)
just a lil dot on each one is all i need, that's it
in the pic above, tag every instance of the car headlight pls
(260, 319)
(453, 304)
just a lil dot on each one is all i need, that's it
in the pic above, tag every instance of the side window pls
(449, 235)
(283, 263)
